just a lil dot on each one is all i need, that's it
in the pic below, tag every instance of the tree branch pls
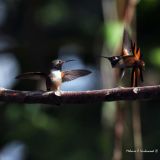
(68, 97)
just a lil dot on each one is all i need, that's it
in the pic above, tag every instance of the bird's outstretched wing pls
(73, 74)
(126, 46)
(32, 75)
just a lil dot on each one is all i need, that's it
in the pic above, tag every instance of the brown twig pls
(114, 94)
(137, 136)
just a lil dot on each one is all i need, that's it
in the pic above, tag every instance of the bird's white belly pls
(56, 75)
(56, 80)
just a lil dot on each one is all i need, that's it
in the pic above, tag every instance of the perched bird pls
(130, 57)
(56, 76)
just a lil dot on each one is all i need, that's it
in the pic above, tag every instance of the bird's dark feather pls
(74, 74)
(32, 75)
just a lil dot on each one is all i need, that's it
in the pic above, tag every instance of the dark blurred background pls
(32, 34)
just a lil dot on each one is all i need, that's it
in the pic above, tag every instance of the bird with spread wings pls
(130, 57)
(56, 77)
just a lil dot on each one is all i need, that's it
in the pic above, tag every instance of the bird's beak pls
(103, 57)
(69, 60)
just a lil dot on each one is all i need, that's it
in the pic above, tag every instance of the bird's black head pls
(113, 60)
(57, 64)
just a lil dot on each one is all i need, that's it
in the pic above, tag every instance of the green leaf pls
(155, 57)
(113, 32)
